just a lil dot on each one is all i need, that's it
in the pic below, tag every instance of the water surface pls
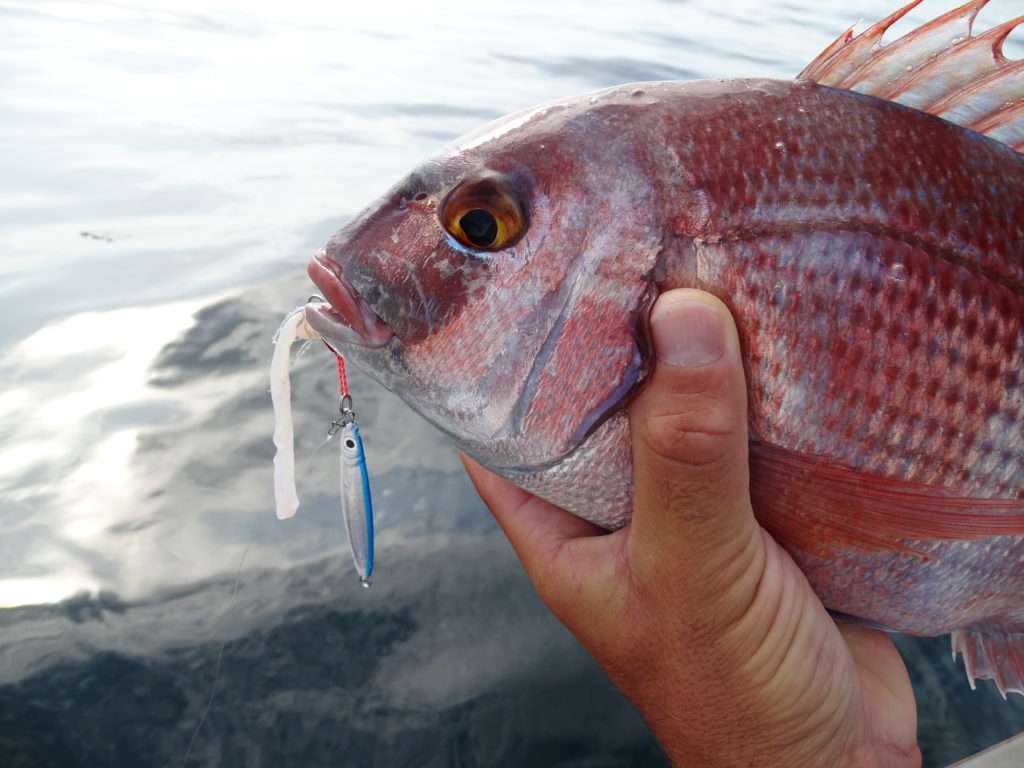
(168, 169)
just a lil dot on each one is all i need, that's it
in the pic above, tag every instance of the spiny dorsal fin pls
(940, 68)
(837, 61)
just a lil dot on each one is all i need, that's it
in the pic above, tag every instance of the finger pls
(689, 428)
(564, 556)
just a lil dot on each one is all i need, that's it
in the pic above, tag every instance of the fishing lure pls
(356, 499)
(286, 497)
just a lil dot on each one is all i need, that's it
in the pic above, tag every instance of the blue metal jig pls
(356, 499)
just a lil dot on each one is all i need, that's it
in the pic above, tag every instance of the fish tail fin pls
(993, 655)
(941, 68)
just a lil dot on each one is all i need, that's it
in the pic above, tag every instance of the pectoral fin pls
(817, 505)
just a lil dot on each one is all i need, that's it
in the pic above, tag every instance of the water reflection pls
(75, 404)
(209, 148)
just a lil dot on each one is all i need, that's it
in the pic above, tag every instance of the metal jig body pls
(356, 499)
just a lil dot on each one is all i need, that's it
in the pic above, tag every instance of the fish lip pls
(345, 316)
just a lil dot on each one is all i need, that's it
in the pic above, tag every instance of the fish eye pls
(480, 227)
(483, 214)
(350, 443)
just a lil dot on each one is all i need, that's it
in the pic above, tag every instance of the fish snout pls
(394, 286)
(346, 316)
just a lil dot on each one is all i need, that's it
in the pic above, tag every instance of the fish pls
(864, 223)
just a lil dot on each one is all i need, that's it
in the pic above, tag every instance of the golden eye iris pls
(483, 215)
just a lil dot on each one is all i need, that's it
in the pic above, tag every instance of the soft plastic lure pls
(356, 500)
(286, 498)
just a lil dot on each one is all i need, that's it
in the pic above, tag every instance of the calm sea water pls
(168, 167)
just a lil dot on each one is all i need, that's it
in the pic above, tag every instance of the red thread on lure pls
(342, 376)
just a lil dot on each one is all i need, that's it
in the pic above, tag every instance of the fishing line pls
(220, 658)
(342, 393)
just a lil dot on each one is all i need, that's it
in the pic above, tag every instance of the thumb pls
(690, 451)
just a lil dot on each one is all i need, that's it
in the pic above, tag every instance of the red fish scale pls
(911, 374)
(878, 288)
(959, 584)
(879, 292)
(785, 157)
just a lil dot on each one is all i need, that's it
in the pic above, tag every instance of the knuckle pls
(694, 418)
(690, 438)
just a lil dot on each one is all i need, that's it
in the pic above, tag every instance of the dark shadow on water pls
(302, 686)
(297, 688)
(224, 336)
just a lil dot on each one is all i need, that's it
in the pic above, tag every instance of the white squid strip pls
(286, 497)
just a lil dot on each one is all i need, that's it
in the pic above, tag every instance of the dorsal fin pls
(838, 60)
(940, 68)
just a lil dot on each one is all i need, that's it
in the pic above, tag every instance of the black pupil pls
(350, 444)
(480, 227)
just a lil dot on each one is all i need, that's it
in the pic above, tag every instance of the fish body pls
(871, 254)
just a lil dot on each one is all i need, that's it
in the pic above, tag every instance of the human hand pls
(693, 610)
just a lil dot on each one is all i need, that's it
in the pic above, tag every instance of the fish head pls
(500, 289)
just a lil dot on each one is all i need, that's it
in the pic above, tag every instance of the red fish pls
(864, 223)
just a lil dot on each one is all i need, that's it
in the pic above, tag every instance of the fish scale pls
(901, 377)
(847, 162)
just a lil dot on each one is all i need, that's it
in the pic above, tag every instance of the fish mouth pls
(345, 316)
